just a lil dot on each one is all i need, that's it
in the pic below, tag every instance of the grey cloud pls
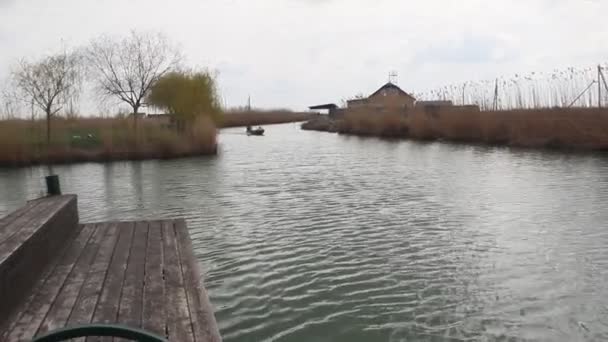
(293, 53)
(6, 3)
(470, 49)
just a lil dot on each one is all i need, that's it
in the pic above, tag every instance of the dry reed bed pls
(23, 142)
(257, 117)
(584, 128)
(532, 90)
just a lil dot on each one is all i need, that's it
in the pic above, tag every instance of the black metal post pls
(52, 185)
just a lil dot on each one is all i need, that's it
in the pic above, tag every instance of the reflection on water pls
(309, 236)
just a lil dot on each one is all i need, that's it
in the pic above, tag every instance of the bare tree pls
(49, 83)
(127, 69)
(10, 100)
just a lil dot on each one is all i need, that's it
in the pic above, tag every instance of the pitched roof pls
(324, 106)
(393, 86)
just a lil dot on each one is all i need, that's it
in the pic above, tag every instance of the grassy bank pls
(259, 117)
(24, 142)
(584, 128)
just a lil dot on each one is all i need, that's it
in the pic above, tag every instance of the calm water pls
(308, 236)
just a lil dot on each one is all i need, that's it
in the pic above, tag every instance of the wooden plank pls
(179, 327)
(84, 307)
(46, 229)
(131, 303)
(30, 320)
(23, 305)
(59, 312)
(141, 274)
(89, 295)
(11, 217)
(31, 209)
(201, 312)
(154, 310)
(109, 301)
(28, 224)
(14, 224)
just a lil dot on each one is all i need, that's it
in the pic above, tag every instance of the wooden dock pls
(56, 273)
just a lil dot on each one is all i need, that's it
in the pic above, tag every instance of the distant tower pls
(392, 77)
(249, 103)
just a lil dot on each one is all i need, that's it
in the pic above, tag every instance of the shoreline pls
(258, 118)
(575, 129)
(103, 157)
(104, 140)
(80, 140)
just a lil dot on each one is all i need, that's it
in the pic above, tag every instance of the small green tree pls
(187, 95)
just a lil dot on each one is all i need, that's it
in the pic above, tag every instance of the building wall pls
(391, 99)
(356, 103)
(337, 113)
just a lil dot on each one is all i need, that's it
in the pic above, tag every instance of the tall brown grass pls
(585, 128)
(532, 90)
(23, 142)
(385, 124)
(260, 117)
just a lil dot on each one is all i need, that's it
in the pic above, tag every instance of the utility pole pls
(464, 86)
(495, 104)
(604, 79)
(599, 86)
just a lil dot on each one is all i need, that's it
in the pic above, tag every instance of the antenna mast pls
(392, 77)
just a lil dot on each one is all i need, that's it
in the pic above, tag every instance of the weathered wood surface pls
(30, 239)
(139, 274)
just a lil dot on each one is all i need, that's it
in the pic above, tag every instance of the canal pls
(308, 236)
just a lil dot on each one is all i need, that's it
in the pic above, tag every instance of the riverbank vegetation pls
(559, 109)
(24, 142)
(580, 128)
(241, 118)
(569, 87)
(138, 70)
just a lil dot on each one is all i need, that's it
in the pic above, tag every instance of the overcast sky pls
(296, 53)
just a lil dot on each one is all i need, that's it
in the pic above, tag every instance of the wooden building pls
(388, 98)
(330, 108)
(392, 99)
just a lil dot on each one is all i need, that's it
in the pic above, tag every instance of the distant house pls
(392, 99)
(357, 103)
(388, 97)
(331, 108)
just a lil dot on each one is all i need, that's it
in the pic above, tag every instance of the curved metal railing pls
(99, 330)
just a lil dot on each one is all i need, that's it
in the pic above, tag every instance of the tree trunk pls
(48, 127)
(135, 112)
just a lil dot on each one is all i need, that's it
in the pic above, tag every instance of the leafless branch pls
(126, 69)
(49, 83)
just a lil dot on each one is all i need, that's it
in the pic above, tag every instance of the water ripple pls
(318, 237)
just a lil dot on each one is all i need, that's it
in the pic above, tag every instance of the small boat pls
(255, 131)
